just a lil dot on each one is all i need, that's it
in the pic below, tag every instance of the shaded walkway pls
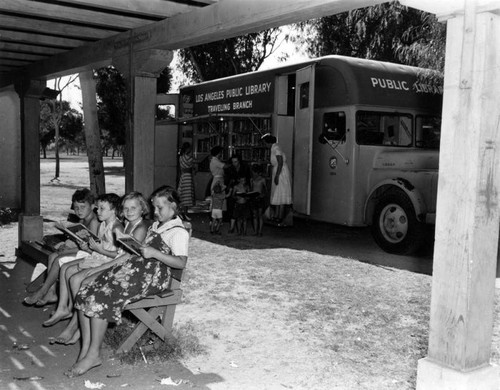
(29, 361)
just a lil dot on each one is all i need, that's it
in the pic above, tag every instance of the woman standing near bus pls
(281, 184)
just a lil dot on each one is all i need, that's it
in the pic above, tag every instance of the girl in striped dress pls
(186, 186)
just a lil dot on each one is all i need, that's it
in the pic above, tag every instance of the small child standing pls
(108, 206)
(241, 210)
(258, 204)
(218, 197)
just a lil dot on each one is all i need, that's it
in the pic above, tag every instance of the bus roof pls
(339, 81)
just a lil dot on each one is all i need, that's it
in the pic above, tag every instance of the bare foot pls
(84, 365)
(59, 315)
(49, 297)
(34, 298)
(74, 339)
(68, 333)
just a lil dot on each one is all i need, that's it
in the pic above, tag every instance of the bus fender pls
(395, 184)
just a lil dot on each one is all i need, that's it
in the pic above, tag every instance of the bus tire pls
(395, 227)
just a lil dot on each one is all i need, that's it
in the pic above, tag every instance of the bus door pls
(332, 173)
(302, 145)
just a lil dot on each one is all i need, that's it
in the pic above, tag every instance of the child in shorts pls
(82, 203)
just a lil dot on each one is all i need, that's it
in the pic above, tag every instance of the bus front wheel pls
(395, 227)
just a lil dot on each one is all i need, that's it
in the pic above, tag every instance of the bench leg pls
(147, 320)
(168, 319)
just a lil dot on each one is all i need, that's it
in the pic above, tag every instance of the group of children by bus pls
(86, 268)
(249, 201)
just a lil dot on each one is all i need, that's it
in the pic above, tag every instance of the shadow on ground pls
(29, 361)
(319, 237)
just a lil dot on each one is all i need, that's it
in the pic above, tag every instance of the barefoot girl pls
(82, 203)
(134, 209)
(103, 300)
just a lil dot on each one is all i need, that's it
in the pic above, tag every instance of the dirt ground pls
(305, 307)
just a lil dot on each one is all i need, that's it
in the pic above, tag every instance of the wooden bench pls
(37, 252)
(155, 312)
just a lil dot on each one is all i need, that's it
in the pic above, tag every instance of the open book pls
(129, 242)
(249, 195)
(79, 233)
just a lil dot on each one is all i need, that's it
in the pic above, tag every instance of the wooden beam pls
(35, 38)
(225, 19)
(5, 68)
(22, 56)
(28, 49)
(63, 30)
(446, 9)
(139, 7)
(467, 221)
(4, 62)
(33, 9)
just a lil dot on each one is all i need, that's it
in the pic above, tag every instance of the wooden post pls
(141, 71)
(92, 133)
(467, 224)
(30, 222)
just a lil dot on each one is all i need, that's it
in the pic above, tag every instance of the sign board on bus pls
(234, 95)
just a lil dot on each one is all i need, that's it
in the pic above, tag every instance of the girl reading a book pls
(82, 203)
(103, 300)
(135, 210)
(102, 251)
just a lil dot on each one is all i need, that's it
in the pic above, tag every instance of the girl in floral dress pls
(103, 300)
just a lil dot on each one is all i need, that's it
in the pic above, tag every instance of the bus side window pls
(368, 128)
(380, 128)
(304, 95)
(334, 127)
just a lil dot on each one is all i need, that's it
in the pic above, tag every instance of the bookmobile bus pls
(361, 139)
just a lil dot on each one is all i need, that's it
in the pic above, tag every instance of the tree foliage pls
(386, 32)
(230, 56)
(112, 106)
(70, 123)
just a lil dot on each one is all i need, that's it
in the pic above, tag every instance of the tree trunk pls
(56, 176)
(92, 133)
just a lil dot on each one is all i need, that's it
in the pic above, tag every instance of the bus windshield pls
(428, 132)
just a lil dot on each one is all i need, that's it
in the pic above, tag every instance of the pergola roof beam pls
(224, 19)
(153, 8)
(86, 17)
(63, 30)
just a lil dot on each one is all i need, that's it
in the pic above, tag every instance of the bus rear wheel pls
(395, 227)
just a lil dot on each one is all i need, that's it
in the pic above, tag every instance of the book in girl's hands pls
(250, 194)
(79, 233)
(130, 243)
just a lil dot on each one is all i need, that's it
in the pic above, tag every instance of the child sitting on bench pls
(82, 203)
(102, 252)
(135, 210)
(103, 300)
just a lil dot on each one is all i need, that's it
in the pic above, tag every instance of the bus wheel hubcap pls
(393, 223)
